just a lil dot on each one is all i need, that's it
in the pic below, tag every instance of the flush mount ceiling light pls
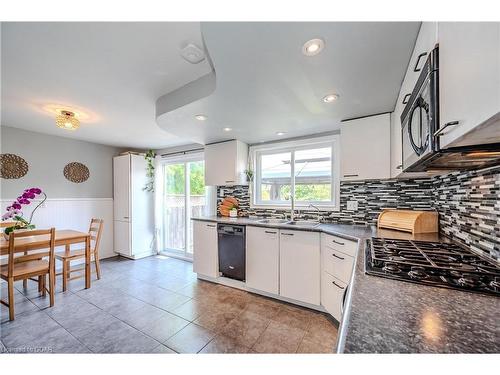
(330, 98)
(280, 133)
(201, 117)
(227, 129)
(67, 120)
(313, 47)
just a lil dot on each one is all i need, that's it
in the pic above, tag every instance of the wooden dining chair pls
(31, 263)
(68, 255)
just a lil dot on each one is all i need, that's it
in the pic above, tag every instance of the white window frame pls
(161, 162)
(257, 151)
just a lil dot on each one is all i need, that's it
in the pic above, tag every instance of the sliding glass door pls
(184, 196)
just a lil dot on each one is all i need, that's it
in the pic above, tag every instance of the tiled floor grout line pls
(137, 329)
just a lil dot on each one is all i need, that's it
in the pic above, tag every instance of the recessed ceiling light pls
(227, 129)
(330, 98)
(201, 117)
(313, 47)
(280, 133)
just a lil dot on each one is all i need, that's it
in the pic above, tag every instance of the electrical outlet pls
(222, 192)
(352, 205)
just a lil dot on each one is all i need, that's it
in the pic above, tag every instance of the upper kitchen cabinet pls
(366, 148)
(225, 163)
(469, 77)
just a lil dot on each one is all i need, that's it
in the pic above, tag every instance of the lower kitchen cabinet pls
(300, 266)
(336, 270)
(333, 292)
(262, 259)
(205, 252)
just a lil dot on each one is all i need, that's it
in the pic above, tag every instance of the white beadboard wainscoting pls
(73, 213)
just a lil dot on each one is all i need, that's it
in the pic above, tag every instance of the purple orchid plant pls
(14, 211)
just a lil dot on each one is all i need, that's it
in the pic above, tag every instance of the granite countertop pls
(390, 316)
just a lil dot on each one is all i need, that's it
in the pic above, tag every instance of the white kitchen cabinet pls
(300, 266)
(262, 259)
(122, 238)
(337, 262)
(333, 293)
(133, 207)
(205, 250)
(121, 185)
(469, 77)
(366, 148)
(426, 41)
(225, 163)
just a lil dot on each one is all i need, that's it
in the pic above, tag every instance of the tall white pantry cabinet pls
(133, 207)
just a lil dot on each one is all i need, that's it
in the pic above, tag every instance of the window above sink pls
(308, 169)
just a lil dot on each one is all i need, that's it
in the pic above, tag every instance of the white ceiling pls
(266, 85)
(116, 72)
(112, 71)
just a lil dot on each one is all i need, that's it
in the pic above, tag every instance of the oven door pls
(417, 128)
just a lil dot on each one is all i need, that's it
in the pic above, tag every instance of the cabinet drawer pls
(333, 292)
(337, 243)
(337, 264)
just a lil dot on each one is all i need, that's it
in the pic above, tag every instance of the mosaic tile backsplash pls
(468, 204)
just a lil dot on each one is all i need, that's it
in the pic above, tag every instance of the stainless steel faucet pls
(292, 212)
(317, 208)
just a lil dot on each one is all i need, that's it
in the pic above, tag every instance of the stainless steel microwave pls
(421, 130)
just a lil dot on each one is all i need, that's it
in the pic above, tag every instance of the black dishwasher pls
(231, 251)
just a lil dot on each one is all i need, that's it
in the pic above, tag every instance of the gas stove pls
(438, 264)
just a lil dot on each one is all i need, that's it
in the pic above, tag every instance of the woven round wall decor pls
(76, 172)
(12, 166)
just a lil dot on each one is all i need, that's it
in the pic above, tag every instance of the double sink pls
(295, 223)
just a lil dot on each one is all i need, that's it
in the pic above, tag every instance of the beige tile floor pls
(157, 305)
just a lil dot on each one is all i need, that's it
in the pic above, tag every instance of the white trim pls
(257, 151)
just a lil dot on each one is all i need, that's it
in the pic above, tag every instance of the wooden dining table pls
(64, 237)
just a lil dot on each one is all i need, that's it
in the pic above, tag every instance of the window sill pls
(297, 207)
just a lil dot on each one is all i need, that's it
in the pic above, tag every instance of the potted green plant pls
(150, 171)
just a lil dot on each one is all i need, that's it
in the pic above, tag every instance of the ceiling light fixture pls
(313, 47)
(227, 129)
(201, 117)
(330, 98)
(280, 133)
(67, 120)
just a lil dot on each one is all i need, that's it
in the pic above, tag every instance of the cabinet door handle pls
(440, 131)
(210, 225)
(287, 234)
(126, 217)
(337, 285)
(230, 181)
(351, 175)
(416, 68)
(338, 243)
(269, 232)
(405, 99)
(336, 256)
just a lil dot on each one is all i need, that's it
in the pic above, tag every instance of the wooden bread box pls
(409, 221)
